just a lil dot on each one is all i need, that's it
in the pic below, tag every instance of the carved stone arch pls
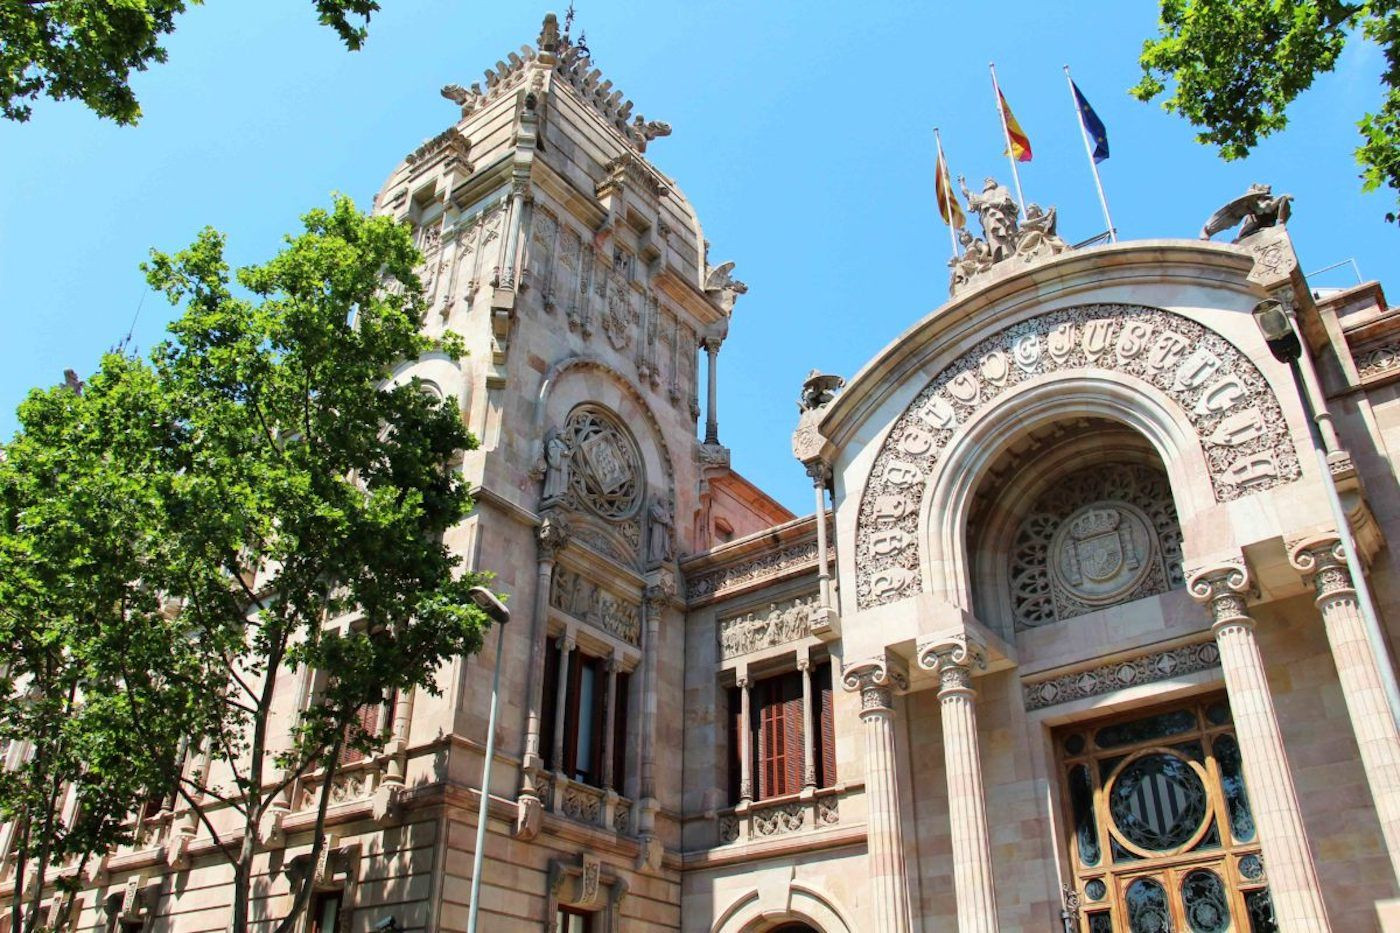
(549, 404)
(438, 373)
(752, 912)
(1204, 383)
(1138, 407)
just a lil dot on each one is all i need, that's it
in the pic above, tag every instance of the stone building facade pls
(1067, 644)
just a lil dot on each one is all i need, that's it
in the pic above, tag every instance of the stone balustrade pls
(779, 816)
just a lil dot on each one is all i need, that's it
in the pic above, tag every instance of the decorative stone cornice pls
(1322, 561)
(877, 679)
(1224, 589)
(954, 658)
(449, 144)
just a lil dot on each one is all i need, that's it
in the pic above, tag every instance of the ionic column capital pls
(1224, 589)
(877, 679)
(819, 471)
(1322, 560)
(567, 643)
(955, 658)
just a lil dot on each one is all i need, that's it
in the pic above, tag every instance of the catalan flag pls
(1093, 126)
(1020, 143)
(949, 207)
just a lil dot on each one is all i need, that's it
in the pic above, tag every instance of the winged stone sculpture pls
(1254, 210)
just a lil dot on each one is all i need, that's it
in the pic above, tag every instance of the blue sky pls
(803, 135)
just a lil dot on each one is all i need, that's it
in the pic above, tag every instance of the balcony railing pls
(779, 816)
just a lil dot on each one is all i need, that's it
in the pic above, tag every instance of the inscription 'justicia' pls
(1220, 391)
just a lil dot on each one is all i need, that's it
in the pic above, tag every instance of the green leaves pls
(86, 50)
(1236, 65)
(187, 535)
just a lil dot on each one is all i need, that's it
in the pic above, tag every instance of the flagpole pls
(1089, 151)
(944, 182)
(1006, 135)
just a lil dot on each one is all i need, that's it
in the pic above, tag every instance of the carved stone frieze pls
(782, 622)
(1218, 389)
(1096, 538)
(779, 819)
(762, 567)
(1117, 675)
(576, 595)
(1377, 359)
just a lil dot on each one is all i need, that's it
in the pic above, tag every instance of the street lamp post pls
(499, 614)
(1282, 337)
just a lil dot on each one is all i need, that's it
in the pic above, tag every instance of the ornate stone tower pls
(577, 273)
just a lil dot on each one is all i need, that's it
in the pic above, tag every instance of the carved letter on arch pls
(1218, 389)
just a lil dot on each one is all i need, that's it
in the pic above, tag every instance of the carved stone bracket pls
(552, 534)
(877, 679)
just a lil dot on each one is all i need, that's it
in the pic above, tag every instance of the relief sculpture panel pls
(1218, 389)
(780, 623)
(575, 595)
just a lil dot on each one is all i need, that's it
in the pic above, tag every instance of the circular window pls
(1157, 802)
(605, 470)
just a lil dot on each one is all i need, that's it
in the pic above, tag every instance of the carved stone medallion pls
(606, 471)
(1096, 537)
(1102, 551)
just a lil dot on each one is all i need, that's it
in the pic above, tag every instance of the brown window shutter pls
(549, 703)
(620, 733)
(571, 713)
(770, 743)
(793, 737)
(367, 717)
(826, 734)
(735, 730)
(600, 721)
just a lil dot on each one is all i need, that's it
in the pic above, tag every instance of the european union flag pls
(1093, 126)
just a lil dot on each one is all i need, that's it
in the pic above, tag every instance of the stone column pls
(610, 722)
(1377, 736)
(561, 703)
(1293, 881)
(820, 472)
(809, 739)
(711, 345)
(954, 660)
(745, 742)
(655, 599)
(876, 679)
(551, 536)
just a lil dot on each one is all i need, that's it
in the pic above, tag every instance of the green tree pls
(76, 511)
(261, 503)
(1238, 64)
(307, 498)
(87, 49)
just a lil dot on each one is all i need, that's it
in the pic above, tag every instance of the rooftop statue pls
(819, 389)
(997, 213)
(1254, 210)
(1005, 234)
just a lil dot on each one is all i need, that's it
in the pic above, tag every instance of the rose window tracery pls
(605, 470)
(1095, 538)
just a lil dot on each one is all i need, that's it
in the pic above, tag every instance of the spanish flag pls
(1020, 143)
(948, 207)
